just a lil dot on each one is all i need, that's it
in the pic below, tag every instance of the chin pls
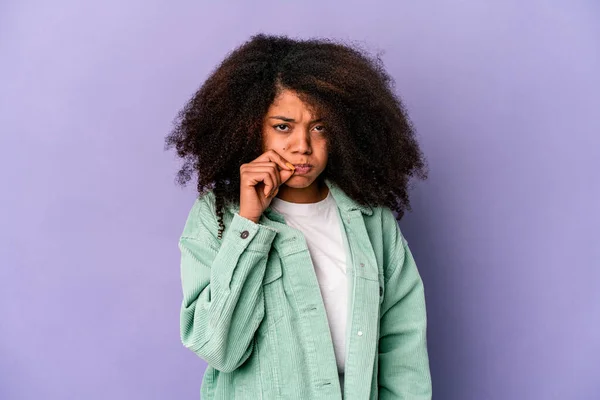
(299, 182)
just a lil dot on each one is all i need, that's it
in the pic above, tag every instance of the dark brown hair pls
(371, 141)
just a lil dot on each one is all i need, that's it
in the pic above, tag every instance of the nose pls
(300, 142)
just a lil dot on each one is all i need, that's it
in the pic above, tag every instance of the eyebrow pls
(292, 119)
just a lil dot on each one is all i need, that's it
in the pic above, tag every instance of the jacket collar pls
(344, 202)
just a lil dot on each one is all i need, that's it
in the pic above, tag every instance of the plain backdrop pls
(505, 96)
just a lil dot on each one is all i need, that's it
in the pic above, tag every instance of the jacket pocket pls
(273, 294)
(273, 269)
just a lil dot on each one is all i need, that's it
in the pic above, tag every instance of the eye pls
(281, 127)
(319, 128)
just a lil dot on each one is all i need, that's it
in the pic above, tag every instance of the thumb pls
(285, 175)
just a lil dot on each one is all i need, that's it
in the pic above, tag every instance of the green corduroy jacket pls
(252, 308)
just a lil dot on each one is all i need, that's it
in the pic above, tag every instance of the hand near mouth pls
(260, 180)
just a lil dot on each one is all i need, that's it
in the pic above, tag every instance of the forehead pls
(288, 103)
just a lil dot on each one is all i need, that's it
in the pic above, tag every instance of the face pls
(293, 131)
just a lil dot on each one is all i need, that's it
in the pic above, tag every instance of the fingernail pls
(290, 166)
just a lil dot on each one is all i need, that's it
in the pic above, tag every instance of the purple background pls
(505, 96)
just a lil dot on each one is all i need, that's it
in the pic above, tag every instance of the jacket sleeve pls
(403, 357)
(223, 302)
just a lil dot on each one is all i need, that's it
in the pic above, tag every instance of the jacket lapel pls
(363, 297)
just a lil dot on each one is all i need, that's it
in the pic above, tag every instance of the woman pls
(297, 281)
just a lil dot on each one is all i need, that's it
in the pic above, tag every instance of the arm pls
(403, 358)
(223, 303)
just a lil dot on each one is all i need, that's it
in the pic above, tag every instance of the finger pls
(271, 169)
(271, 164)
(285, 175)
(272, 155)
(267, 164)
(256, 177)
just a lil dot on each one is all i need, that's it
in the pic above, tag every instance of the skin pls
(291, 134)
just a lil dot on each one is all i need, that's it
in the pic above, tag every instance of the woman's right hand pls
(259, 183)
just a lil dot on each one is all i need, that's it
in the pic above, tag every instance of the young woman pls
(297, 281)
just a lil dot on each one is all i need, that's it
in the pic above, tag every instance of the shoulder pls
(383, 222)
(387, 238)
(202, 218)
(391, 227)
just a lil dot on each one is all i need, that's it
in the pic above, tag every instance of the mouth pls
(302, 168)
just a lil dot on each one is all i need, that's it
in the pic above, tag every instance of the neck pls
(317, 191)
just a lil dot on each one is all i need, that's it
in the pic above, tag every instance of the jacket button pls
(380, 291)
(360, 333)
(244, 235)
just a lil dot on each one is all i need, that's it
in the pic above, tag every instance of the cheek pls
(323, 151)
(268, 141)
(272, 141)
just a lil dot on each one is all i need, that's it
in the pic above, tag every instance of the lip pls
(302, 169)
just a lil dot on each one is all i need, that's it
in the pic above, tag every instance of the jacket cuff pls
(246, 234)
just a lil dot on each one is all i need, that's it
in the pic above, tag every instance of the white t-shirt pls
(321, 228)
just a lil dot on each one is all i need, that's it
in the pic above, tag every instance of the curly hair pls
(372, 147)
